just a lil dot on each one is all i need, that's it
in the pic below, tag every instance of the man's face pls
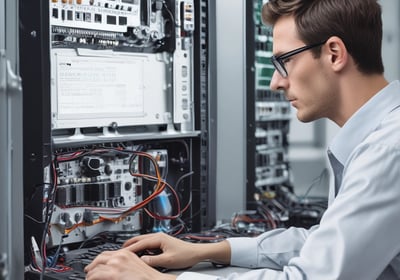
(308, 86)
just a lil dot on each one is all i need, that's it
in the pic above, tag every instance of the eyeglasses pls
(279, 61)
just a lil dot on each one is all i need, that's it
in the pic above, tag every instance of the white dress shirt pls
(358, 237)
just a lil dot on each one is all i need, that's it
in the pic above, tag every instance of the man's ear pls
(337, 54)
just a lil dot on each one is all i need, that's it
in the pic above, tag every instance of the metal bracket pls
(3, 266)
(9, 81)
(3, 67)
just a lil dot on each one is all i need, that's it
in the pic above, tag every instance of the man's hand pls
(175, 253)
(122, 265)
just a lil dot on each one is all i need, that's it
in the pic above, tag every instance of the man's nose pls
(278, 82)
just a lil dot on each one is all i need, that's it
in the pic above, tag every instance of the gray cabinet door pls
(11, 189)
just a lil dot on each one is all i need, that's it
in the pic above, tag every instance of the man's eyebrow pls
(279, 53)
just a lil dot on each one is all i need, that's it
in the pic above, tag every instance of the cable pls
(49, 199)
(317, 181)
(160, 183)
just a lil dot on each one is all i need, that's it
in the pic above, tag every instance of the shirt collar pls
(364, 121)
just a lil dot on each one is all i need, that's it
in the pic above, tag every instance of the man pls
(327, 55)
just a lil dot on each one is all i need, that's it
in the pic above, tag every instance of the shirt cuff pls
(196, 276)
(240, 248)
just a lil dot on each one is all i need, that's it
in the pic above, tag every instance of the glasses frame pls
(278, 61)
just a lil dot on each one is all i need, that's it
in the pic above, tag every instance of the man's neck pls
(356, 90)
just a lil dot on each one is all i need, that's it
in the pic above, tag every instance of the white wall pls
(391, 38)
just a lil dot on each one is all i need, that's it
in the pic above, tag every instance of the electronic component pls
(107, 23)
(161, 205)
(109, 89)
(121, 64)
(183, 71)
(94, 191)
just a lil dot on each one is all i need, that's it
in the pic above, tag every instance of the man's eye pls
(286, 60)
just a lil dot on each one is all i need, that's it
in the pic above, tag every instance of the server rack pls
(41, 141)
(268, 113)
(270, 186)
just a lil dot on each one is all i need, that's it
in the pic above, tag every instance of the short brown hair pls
(357, 22)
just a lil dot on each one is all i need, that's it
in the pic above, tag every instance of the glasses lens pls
(279, 66)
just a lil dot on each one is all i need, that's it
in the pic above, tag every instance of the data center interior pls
(124, 117)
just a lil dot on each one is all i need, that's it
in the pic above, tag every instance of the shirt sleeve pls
(257, 274)
(272, 249)
(357, 238)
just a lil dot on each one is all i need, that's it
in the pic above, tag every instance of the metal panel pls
(11, 194)
(205, 85)
(4, 181)
(231, 106)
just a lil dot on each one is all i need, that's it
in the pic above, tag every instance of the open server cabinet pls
(117, 122)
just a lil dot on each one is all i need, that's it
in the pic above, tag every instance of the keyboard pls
(75, 262)
(51, 275)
